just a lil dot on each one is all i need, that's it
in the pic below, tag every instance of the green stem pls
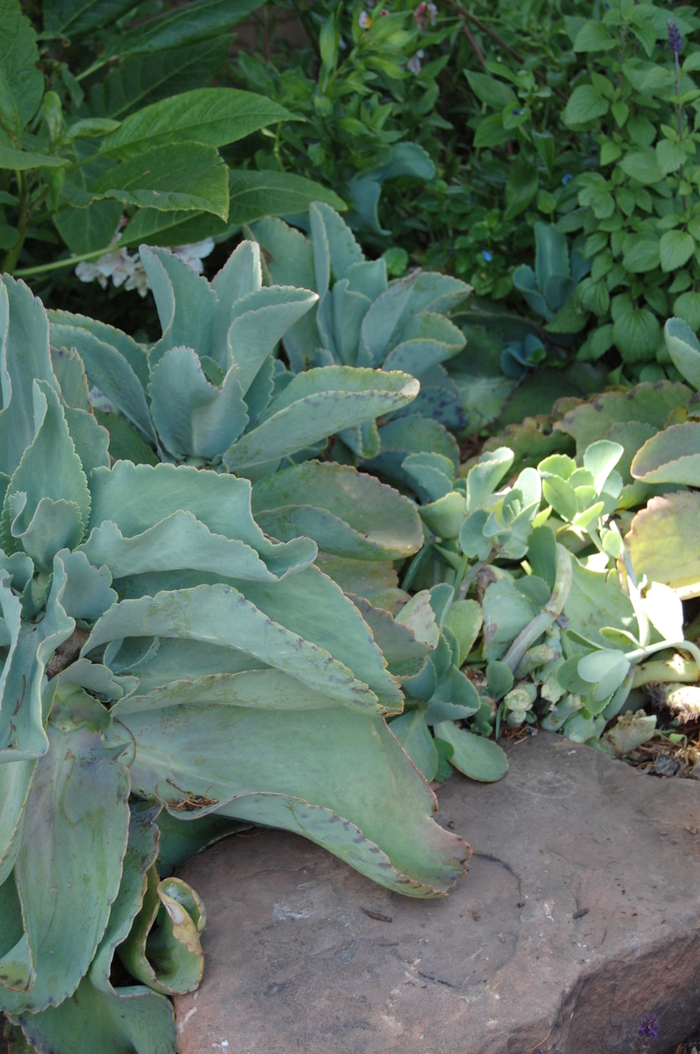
(57, 264)
(676, 669)
(13, 254)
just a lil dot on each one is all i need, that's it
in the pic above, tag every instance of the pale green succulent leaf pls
(181, 541)
(596, 600)
(366, 766)
(485, 475)
(172, 961)
(17, 971)
(135, 497)
(133, 352)
(194, 418)
(24, 357)
(240, 276)
(221, 615)
(49, 468)
(185, 301)
(670, 456)
(132, 1020)
(381, 320)
(15, 781)
(368, 277)
(346, 512)
(684, 349)
(343, 310)
(480, 759)
(54, 525)
(434, 473)
(70, 373)
(405, 655)
(259, 321)
(90, 439)
(417, 356)
(87, 592)
(664, 542)
(265, 689)
(375, 580)
(110, 372)
(316, 404)
(418, 615)
(334, 244)
(69, 863)
(412, 733)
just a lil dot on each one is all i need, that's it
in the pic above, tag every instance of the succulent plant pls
(213, 375)
(363, 319)
(165, 664)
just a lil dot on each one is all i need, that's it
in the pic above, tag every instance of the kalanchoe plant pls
(148, 624)
(211, 392)
(363, 319)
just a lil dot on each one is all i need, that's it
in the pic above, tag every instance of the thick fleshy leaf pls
(316, 404)
(374, 580)
(411, 434)
(24, 357)
(221, 615)
(193, 417)
(301, 766)
(49, 468)
(258, 321)
(167, 956)
(15, 781)
(345, 512)
(110, 371)
(670, 456)
(180, 541)
(22, 732)
(216, 116)
(69, 863)
(480, 759)
(412, 733)
(135, 497)
(664, 542)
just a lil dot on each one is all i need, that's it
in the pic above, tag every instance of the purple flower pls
(649, 1024)
(567, 178)
(487, 255)
(517, 113)
(675, 40)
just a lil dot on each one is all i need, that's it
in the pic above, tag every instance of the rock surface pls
(580, 913)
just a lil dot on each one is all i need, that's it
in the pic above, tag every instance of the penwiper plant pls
(165, 663)
(363, 319)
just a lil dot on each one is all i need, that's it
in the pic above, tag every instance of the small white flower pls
(365, 20)
(138, 280)
(414, 63)
(193, 255)
(432, 13)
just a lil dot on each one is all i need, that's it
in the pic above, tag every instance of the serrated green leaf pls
(584, 105)
(216, 116)
(253, 195)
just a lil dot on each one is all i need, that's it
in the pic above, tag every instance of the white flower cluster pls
(126, 269)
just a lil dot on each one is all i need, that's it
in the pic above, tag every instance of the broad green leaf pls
(72, 18)
(647, 403)
(346, 513)
(412, 733)
(664, 542)
(593, 36)
(201, 20)
(258, 320)
(687, 307)
(22, 160)
(303, 783)
(314, 405)
(176, 177)
(675, 248)
(135, 354)
(584, 105)
(605, 669)
(643, 254)
(464, 619)
(69, 864)
(139, 80)
(434, 473)
(521, 188)
(480, 759)
(491, 90)
(136, 497)
(84, 230)
(642, 165)
(15, 781)
(405, 655)
(411, 434)
(600, 459)
(485, 475)
(684, 349)
(21, 81)
(216, 116)
(221, 615)
(186, 303)
(636, 330)
(253, 195)
(151, 227)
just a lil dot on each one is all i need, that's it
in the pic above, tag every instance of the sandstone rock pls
(579, 914)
